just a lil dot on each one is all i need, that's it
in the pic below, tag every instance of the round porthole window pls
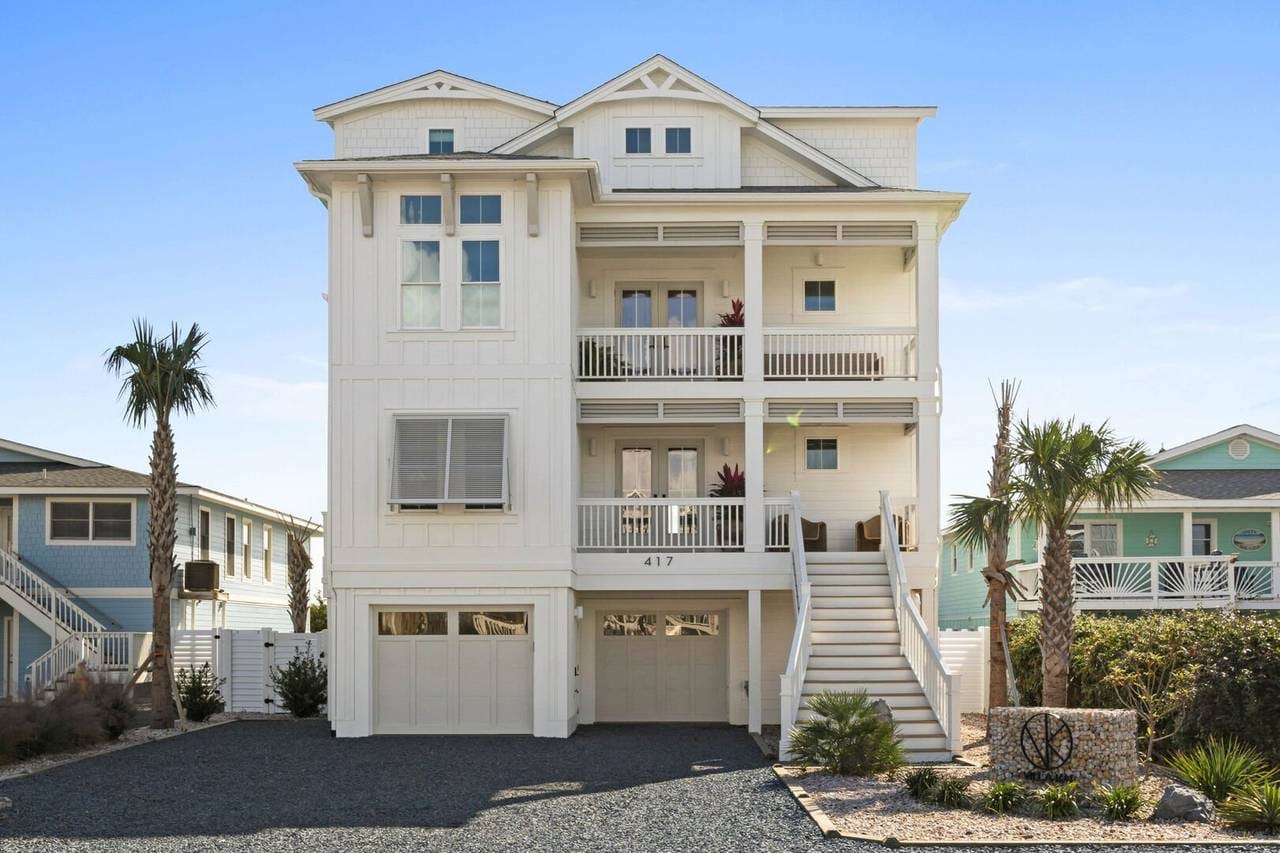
(1238, 449)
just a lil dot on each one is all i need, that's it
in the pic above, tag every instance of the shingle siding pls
(402, 128)
(884, 150)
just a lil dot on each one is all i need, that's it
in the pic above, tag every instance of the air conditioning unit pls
(200, 576)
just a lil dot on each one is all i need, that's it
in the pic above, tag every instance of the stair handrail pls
(98, 650)
(915, 640)
(792, 678)
(26, 582)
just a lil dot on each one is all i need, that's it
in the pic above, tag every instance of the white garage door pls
(661, 666)
(463, 670)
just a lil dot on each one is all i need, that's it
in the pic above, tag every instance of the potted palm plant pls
(733, 484)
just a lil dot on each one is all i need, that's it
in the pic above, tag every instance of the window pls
(819, 296)
(1094, 539)
(638, 140)
(1202, 538)
(419, 210)
(440, 141)
(481, 284)
(266, 553)
(450, 460)
(820, 454)
(679, 140)
(693, 624)
(413, 623)
(229, 545)
(480, 210)
(474, 623)
(970, 559)
(630, 625)
(420, 284)
(91, 521)
(246, 547)
(204, 533)
(955, 559)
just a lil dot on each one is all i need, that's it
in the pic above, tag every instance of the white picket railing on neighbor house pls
(660, 353)
(916, 642)
(792, 678)
(1164, 582)
(243, 660)
(820, 353)
(660, 524)
(99, 653)
(66, 615)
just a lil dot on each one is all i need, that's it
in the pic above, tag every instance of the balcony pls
(624, 525)
(1162, 583)
(869, 353)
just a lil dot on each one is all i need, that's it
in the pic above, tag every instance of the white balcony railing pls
(638, 354)
(660, 524)
(1170, 582)
(870, 353)
(777, 518)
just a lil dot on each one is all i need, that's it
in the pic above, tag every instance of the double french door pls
(657, 475)
(653, 306)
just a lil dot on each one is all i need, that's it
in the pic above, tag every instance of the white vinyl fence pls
(966, 653)
(243, 661)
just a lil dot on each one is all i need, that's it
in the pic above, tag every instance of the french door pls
(663, 471)
(650, 306)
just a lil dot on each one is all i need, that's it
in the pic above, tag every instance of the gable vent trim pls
(842, 233)
(649, 234)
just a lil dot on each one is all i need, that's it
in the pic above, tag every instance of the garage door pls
(661, 666)
(453, 671)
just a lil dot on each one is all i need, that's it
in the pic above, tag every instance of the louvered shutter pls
(418, 465)
(478, 461)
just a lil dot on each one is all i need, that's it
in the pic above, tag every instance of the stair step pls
(824, 622)
(847, 649)
(887, 647)
(867, 596)
(838, 579)
(864, 621)
(856, 661)
(871, 609)
(850, 558)
(849, 635)
(869, 569)
(860, 675)
(910, 703)
(883, 689)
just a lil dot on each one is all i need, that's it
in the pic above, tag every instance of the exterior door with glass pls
(665, 471)
(649, 305)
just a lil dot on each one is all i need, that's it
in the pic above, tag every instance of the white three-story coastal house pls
(633, 408)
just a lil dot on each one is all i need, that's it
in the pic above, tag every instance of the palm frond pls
(160, 375)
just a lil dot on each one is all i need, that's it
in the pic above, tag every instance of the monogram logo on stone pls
(1047, 741)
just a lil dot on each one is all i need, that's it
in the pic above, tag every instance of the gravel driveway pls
(288, 785)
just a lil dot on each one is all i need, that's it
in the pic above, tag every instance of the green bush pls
(920, 781)
(199, 693)
(1061, 801)
(319, 610)
(1120, 802)
(846, 737)
(1003, 797)
(1257, 807)
(1221, 767)
(949, 793)
(1224, 670)
(303, 683)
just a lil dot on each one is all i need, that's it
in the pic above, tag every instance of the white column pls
(1186, 534)
(755, 686)
(753, 296)
(753, 438)
(927, 300)
(928, 481)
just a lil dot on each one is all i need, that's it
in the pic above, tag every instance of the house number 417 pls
(658, 560)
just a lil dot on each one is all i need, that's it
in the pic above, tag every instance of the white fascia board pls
(58, 491)
(1237, 431)
(926, 197)
(248, 506)
(1258, 504)
(654, 62)
(409, 90)
(319, 174)
(848, 112)
(49, 455)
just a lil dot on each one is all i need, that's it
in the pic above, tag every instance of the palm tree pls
(161, 376)
(985, 522)
(1060, 466)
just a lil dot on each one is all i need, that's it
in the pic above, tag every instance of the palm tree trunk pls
(161, 537)
(1057, 619)
(997, 674)
(299, 594)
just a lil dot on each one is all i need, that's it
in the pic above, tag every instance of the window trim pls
(229, 521)
(401, 284)
(203, 551)
(481, 195)
(267, 544)
(246, 547)
(449, 126)
(1088, 536)
(1212, 523)
(625, 141)
(434, 506)
(463, 283)
(809, 438)
(438, 196)
(835, 293)
(666, 140)
(955, 558)
(91, 500)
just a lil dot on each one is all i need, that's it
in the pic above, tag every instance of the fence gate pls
(243, 661)
(966, 652)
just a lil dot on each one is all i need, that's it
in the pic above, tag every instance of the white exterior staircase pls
(854, 611)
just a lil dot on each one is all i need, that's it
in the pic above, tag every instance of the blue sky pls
(1118, 253)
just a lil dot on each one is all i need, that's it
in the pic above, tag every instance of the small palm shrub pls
(1120, 802)
(845, 737)
(1003, 797)
(950, 794)
(303, 683)
(1256, 807)
(199, 693)
(920, 781)
(1221, 766)
(1061, 801)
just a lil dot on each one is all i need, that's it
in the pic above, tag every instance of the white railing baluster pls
(660, 524)
(678, 353)
(870, 353)
(791, 690)
(65, 613)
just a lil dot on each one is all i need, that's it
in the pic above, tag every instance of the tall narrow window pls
(480, 210)
(955, 559)
(440, 141)
(266, 553)
(420, 284)
(246, 546)
(229, 546)
(1202, 538)
(639, 140)
(679, 140)
(481, 284)
(204, 534)
(419, 210)
(819, 296)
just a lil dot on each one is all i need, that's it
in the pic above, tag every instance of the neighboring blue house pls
(73, 558)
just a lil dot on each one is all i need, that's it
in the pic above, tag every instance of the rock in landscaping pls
(1182, 803)
(882, 710)
(6, 807)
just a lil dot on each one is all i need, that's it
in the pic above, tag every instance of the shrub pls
(113, 706)
(319, 615)
(920, 781)
(846, 737)
(949, 793)
(303, 683)
(1004, 797)
(1120, 802)
(18, 730)
(1061, 801)
(198, 690)
(1257, 807)
(1221, 767)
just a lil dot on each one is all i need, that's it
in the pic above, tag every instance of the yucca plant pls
(845, 737)
(949, 793)
(1220, 767)
(1061, 801)
(1003, 797)
(920, 781)
(1120, 802)
(1256, 807)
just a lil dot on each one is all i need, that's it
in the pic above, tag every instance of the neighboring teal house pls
(1205, 538)
(73, 563)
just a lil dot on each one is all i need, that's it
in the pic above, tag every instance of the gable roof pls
(1237, 431)
(41, 453)
(1218, 484)
(438, 83)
